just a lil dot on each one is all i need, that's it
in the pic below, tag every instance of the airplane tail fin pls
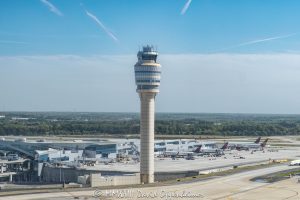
(257, 140)
(198, 149)
(264, 143)
(224, 146)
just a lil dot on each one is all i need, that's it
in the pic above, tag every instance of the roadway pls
(233, 187)
(21, 160)
(6, 174)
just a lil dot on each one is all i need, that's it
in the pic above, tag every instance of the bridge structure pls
(8, 168)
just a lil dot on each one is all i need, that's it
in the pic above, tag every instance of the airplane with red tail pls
(255, 146)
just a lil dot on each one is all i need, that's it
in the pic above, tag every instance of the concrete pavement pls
(233, 187)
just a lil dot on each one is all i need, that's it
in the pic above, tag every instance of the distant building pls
(105, 150)
(56, 155)
(29, 147)
(20, 118)
(43, 151)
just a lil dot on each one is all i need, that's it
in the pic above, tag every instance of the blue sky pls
(219, 56)
(208, 26)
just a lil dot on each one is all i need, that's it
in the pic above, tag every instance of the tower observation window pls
(149, 57)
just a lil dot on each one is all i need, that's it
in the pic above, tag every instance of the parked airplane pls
(257, 140)
(215, 150)
(182, 154)
(233, 145)
(254, 146)
(264, 144)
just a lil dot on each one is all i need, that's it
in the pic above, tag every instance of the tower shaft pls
(147, 78)
(147, 136)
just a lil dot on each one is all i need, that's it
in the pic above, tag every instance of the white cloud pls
(52, 8)
(247, 83)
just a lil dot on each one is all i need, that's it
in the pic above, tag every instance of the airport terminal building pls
(44, 150)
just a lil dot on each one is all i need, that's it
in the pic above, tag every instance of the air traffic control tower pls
(147, 78)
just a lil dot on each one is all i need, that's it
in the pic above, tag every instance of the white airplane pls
(254, 146)
(181, 154)
(233, 145)
(215, 150)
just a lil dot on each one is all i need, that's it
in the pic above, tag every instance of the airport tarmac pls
(233, 187)
(202, 163)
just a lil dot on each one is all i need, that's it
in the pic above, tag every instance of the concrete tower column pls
(147, 137)
(10, 178)
(147, 78)
(28, 165)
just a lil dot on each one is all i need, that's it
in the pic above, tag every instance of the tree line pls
(163, 126)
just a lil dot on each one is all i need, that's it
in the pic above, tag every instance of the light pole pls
(60, 165)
